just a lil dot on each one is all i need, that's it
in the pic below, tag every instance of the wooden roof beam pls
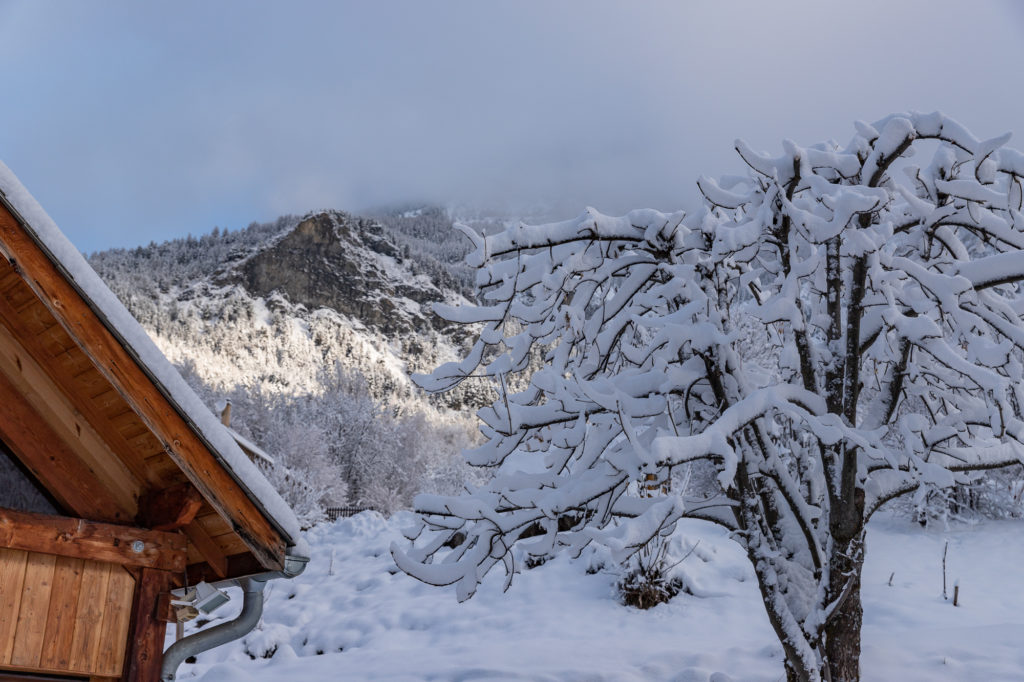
(35, 350)
(36, 387)
(171, 508)
(216, 561)
(81, 539)
(237, 566)
(58, 468)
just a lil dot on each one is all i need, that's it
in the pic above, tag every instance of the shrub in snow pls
(648, 579)
(832, 331)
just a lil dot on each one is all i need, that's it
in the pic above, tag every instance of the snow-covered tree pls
(343, 446)
(836, 329)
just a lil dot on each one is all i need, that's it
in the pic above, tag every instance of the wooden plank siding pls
(61, 615)
(35, 606)
(60, 621)
(12, 579)
(116, 622)
(85, 643)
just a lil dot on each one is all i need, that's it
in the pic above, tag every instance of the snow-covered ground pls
(352, 617)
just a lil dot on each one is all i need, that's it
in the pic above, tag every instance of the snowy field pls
(349, 617)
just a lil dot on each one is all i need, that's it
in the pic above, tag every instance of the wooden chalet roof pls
(101, 419)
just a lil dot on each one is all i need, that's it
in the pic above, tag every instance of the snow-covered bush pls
(888, 355)
(648, 580)
(304, 471)
(997, 494)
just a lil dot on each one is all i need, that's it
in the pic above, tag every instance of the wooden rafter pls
(36, 388)
(171, 508)
(33, 441)
(207, 547)
(236, 565)
(65, 368)
(55, 407)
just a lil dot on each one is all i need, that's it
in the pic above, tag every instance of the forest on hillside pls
(326, 394)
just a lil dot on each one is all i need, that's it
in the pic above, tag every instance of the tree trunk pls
(842, 632)
(794, 673)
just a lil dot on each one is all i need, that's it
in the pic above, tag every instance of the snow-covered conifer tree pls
(834, 330)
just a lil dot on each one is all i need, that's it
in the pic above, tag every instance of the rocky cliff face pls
(346, 263)
(279, 307)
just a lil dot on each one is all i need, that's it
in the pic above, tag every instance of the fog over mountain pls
(140, 121)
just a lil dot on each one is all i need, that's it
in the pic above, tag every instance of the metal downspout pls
(252, 610)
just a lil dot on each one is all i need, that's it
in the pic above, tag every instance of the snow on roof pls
(138, 343)
(250, 447)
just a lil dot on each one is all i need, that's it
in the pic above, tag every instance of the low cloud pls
(133, 123)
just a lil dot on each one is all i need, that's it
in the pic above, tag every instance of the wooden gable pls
(93, 427)
(123, 450)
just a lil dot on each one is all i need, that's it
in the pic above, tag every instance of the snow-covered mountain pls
(276, 305)
(348, 264)
(311, 326)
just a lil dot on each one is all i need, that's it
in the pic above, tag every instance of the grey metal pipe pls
(252, 610)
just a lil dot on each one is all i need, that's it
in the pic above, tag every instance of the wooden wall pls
(63, 615)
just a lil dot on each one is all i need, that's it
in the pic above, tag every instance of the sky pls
(133, 122)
